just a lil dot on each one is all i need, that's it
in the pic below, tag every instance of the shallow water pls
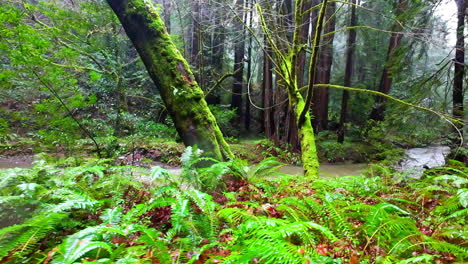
(24, 162)
(329, 170)
(326, 170)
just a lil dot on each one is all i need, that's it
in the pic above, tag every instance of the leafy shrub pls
(153, 129)
(224, 117)
(284, 153)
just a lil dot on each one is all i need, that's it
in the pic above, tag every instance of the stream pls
(326, 170)
(415, 162)
(329, 170)
(24, 162)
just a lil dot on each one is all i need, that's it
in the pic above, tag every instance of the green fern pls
(20, 239)
(276, 241)
(79, 244)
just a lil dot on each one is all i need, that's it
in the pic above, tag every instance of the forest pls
(240, 131)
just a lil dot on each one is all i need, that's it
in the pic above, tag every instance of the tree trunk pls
(286, 128)
(217, 57)
(195, 34)
(320, 96)
(378, 111)
(348, 72)
(249, 71)
(267, 94)
(303, 35)
(180, 92)
(167, 14)
(459, 64)
(239, 50)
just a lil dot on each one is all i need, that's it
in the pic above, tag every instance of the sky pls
(448, 12)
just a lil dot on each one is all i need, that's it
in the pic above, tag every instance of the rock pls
(417, 160)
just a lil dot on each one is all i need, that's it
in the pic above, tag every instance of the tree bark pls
(320, 97)
(239, 53)
(217, 57)
(458, 111)
(386, 80)
(247, 117)
(167, 14)
(195, 34)
(171, 73)
(348, 72)
(303, 35)
(267, 94)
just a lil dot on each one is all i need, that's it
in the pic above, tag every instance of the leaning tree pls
(171, 73)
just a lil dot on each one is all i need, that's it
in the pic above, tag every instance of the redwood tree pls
(320, 96)
(239, 52)
(348, 71)
(459, 63)
(387, 75)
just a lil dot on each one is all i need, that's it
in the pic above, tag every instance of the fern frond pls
(73, 199)
(24, 236)
(341, 225)
(455, 180)
(79, 244)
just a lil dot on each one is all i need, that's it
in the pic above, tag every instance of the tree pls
(239, 52)
(387, 74)
(286, 67)
(459, 62)
(348, 71)
(320, 96)
(267, 92)
(180, 92)
(247, 117)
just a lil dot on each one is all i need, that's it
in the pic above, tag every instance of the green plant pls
(283, 153)
(224, 116)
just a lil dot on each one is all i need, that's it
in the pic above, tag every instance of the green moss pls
(172, 75)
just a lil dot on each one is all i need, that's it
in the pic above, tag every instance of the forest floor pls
(229, 213)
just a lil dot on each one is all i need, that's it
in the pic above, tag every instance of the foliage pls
(99, 212)
(283, 153)
(224, 117)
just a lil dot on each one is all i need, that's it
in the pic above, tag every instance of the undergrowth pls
(229, 212)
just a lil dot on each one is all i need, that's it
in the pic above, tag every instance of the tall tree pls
(458, 111)
(247, 117)
(304, 36)
(387, 74)
(167, 14)
(217, 53)
(171, 73)
(195, 33)
(239, 53)
(320, 96)
(286, 61)
(267, 92)
(350, 47)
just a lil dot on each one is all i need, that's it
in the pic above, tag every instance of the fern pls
(21, 239)
(73, 199)
(275, 241)
(80, 243)
(341, 225)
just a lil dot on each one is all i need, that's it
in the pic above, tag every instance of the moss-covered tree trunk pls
(169, 70)
(288, 71)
